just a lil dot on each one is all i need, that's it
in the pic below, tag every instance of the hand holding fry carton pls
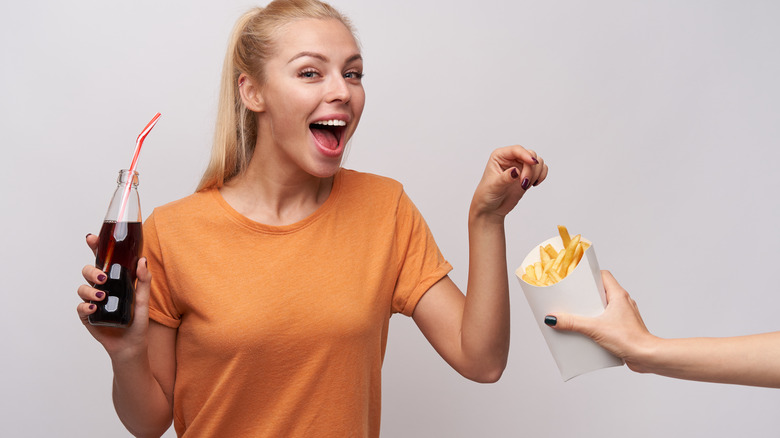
(568, 280)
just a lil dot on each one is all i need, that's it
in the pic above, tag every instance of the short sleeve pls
(420, 262)
(161, 305)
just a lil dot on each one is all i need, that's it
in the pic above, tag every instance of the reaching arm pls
(472, 332)
(745, 360)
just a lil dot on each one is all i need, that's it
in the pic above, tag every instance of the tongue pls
(326, 138)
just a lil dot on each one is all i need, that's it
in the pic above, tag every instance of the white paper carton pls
(581, 293)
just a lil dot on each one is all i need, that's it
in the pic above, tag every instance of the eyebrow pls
(322, 57)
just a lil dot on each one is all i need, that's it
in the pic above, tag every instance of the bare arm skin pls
(471, 332)
(744, 360)
(143, 356)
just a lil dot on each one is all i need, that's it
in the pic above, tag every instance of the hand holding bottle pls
(115, 340)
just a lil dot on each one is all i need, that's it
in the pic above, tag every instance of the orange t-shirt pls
(282, 329)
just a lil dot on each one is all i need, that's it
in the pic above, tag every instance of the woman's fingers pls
(84, 310)
(530, 166)
(88, 293)
(542, 172)
(510, 155)
(92, 242)
(142, 287)
(93, 275)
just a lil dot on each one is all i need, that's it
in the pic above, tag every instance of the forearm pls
(745, 360)
(139, 400)
(485, 326)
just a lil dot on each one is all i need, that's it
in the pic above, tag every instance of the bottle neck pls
(124, 176)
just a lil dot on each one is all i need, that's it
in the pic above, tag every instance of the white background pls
(659, 121)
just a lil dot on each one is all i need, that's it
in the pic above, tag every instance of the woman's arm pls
(744, 360)
(472, 332)
(143, 384)
(143, 356)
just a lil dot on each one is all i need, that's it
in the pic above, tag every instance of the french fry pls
(544, 255)
(553, 266)
(585, 245)
(530, 272)
(547, 265)
(558, 260)
(564, 235)
(555, 275)
(576, 260)
(570, 248)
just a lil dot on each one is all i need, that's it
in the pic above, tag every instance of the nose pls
(338, 90)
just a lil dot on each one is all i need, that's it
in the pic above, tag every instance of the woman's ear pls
(249, 90)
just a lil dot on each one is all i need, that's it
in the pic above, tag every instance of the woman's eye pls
(308, 74)
(354, 75)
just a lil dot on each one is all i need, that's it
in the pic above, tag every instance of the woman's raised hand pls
(115, 340)
(510, 172)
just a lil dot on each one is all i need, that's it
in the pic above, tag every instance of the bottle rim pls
(124, 175)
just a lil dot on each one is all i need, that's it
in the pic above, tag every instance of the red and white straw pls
(138, 143)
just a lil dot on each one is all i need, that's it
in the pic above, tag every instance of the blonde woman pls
(264, 298)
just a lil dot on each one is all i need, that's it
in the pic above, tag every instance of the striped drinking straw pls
(128, 185)
(138, 143)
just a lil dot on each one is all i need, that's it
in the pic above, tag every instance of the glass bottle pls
(119, 248)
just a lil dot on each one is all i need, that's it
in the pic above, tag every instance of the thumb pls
(142, 287)
(571, 323)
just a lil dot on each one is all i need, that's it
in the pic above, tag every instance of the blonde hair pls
(251, 45)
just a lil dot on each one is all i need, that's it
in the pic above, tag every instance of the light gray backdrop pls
(659, 121)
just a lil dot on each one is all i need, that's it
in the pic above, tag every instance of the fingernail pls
(91, 307)
(525, 183)
(550, 320)
(99, 294)
(535, 160)
(102, 277)
(88, 234)
(514, 173)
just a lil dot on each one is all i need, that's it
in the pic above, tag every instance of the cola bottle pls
(119, 248)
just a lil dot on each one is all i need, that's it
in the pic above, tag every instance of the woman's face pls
(312, 96)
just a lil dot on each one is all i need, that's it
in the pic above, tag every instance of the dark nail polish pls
(99, 294)
(91, 307)
(525, 183)
(535, 160)
(88, 234)
(514, 173)
(101, 277)
(550, 320)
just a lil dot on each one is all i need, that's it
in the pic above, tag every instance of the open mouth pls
(328, 133)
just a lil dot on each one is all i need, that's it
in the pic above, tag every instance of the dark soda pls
(119, 249)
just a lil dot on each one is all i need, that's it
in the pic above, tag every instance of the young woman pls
(264, 306)
(744, 360)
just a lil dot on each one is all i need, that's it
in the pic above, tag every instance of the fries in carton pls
(562, 275)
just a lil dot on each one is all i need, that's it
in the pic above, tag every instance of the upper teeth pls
(331, 123)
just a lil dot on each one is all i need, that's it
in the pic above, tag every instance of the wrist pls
(478, 216)
(647, 357)
(129, 357)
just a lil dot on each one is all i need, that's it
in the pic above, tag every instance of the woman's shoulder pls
(193, 202)
(185, 210)
(353, 180)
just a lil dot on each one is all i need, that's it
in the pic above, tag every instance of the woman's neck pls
(275, 196)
